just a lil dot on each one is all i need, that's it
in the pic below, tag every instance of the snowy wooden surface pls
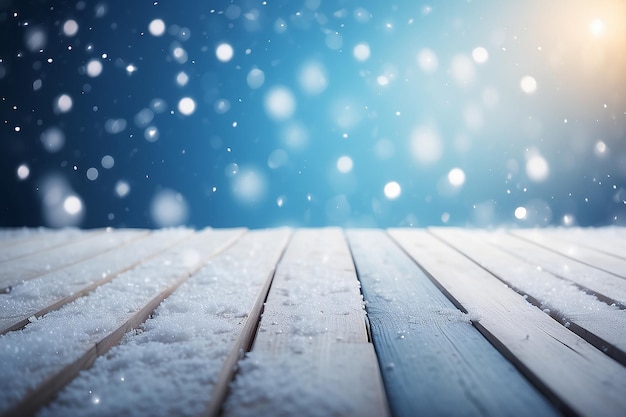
(312, 322)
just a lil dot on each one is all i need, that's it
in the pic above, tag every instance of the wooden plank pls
(39, 296)
(597, 259)
(605, 286)
(312, 349)
(16, 271)
(13, 236)
(421, 336)
(593, 320)
(53, 349)
(189, 341)
(576, 375)
(47, 241)
(610, 240)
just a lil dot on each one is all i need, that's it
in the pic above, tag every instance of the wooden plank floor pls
(328, 322)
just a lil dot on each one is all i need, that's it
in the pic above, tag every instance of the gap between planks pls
(46, 389)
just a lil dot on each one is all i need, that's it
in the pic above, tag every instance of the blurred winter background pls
(311, 112)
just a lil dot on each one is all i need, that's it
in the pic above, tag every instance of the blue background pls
(384, 113)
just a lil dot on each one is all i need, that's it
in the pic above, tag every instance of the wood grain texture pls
(206, 245)
(434, 362)
(592, 257)
(572, 372)
(16, 271)
(593, 320)
(605, 286)
(34, 298)
(313, 329)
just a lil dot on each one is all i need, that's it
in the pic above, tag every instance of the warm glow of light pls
(597, 27)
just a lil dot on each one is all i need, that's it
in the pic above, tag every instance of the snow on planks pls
(572, 372)
(434, 361)
(158, 322)
(311, 355)
(38, 361)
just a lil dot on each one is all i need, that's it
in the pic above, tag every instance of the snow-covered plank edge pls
(610, 239)
(606, 286)
(171, 365)
(312, 349)
(242, 344)
(45, 391)
(32, 266)
(18, 235)
(597, 259)
(132, 254)
(593, 320)
(44, 242)
(567, 369)
(420, 336)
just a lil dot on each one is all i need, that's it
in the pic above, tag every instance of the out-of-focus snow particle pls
(427, 60)
(426, 145)
(392, 190)
(334, 40)
(231, 170)
(277, 159)
(63, 103)
(600, 148)
(179, 54)
(70, 27)
(456, 177)
(255, 78)
(37, 84)
(520, 213)
(480, 55)
(295, 136)
(168, 208)
(72, 205)
(114, 126)
(569, 220)
(156, 27)
(92, 174)
(151, 134)
(158, 105)
(462, 70)
(361, 52)
(35, 39)
(107, 162)
(224, 52)
(312, 78)
(53, 139)
(537, 168)
(361, 15)
(122, 188)
(528, 84)
(23, 172)
(249, 186)
(279, 103)
(186, 106)
(221, 106)
(232, 12)
(94, 68)
(182, 78)
(280, 26)
(143, 117)
(344, 164)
